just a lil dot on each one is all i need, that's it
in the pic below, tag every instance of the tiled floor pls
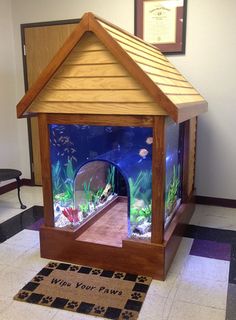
(196, 286)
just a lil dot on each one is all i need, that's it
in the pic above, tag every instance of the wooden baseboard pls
(13, 185)
(211, 201)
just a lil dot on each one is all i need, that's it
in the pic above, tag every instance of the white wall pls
(9, 149)
(209, 63)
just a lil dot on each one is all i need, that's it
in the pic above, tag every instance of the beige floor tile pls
(26, 311)
(31, 260)
(9, 203)
(25, 238)
(204, 292)
(206, 268)
(214, 217)
(68, 315)
(12, 279)
(9, 254)
(5, 303)
(188, 311)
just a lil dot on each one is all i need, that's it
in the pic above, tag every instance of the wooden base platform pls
(133, 256)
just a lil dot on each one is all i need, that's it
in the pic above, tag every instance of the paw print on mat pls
(142, 279)
(38, 278)
(72, 304)
(136, 295)
(74, 268)
(47, 300)
(52, 265)
(96, 271)
(23, 295)
(99, 310)
(127, 315)
(119, 275)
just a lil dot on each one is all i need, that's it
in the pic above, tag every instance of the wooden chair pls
(8, 174)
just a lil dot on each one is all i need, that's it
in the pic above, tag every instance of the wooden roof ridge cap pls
(53, 65)
(131, 66)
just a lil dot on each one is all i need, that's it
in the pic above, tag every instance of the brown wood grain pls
(137, 108)
(98, 96)
(91, 83)
(158, 179)
(133, 257)
(136, 121)
(46, 169)
(111, 229)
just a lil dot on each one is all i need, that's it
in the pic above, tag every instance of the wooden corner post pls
(158, 179)
(46, 170)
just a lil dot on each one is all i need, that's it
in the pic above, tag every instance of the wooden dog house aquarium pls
(117, 127)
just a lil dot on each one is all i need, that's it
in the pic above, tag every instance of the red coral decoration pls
(71, 214)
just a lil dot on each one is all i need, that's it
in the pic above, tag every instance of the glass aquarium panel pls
(83, 161)
(94, 189)
(173, 185)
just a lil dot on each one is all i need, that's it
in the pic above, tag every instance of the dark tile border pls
(19, 222)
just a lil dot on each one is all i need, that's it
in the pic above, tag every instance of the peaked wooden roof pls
(144, 62)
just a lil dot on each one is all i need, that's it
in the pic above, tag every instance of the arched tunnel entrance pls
(101, 189)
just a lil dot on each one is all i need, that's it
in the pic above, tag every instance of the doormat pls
(83, 289)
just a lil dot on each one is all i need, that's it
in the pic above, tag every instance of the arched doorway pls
(101, 193)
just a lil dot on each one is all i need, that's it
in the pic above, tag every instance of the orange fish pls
(149, 140)
(143, 153)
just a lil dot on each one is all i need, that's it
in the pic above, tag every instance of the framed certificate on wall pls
(162, 23)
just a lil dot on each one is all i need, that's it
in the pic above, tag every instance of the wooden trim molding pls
(211, 201)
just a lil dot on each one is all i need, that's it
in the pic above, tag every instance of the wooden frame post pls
(46, 169)
(185, 147)
(158, 179)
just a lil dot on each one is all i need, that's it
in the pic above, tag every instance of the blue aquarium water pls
(92, 165)
(173, 185)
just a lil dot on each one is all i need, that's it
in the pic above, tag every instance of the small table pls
(8, 174)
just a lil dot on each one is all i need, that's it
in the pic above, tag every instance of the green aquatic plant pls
(141, 192)
(134, 187)
(139, 215)
(84, 208)
(69, 174)
(96, 196)
(56, 178)
(87, 191)
(111, 177)
(173, 188)
(144, 182)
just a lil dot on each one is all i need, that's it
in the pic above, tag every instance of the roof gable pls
(151, 70)
(91, 80)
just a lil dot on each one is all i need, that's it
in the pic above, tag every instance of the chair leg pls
(18, 193)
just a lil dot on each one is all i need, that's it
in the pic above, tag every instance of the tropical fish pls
(108, 129)
(149, 140)
(143, 153)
